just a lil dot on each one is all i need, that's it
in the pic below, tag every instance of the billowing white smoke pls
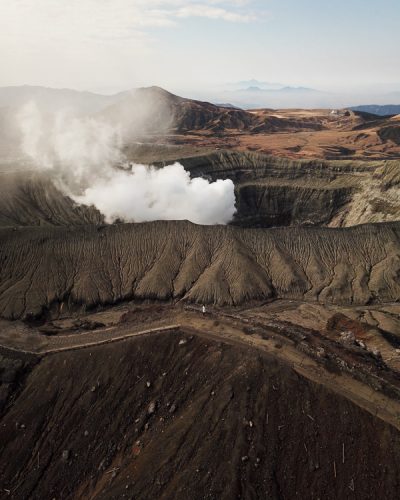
(81, 155)
(146, 193)
(74, 150)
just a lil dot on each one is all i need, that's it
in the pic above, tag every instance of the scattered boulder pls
(88, 324)
(151, 408)
(361, 344)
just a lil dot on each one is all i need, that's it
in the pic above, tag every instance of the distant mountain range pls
(150, 110)
(255, 83)
(49, 99)
(247, 94)
(255, 95)
(284, 97)
(281, 89)
(381, 110)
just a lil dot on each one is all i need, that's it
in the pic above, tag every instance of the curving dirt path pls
(228, 329)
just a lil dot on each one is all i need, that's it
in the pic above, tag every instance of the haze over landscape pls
(199, 249)
(207, 49)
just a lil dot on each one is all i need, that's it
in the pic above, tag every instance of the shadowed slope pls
(31, 199)
(153, 418)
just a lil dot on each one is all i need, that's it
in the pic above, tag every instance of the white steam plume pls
(146, 193)
(82, 156)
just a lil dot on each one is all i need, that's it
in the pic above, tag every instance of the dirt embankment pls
(175, 416)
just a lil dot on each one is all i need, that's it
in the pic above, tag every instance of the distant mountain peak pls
(253, 89)
(297, 89)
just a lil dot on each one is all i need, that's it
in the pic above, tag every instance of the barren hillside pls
(169, 360)
(88, 266)
(176, 415)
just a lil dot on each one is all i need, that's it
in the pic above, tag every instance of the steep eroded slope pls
(46, 268)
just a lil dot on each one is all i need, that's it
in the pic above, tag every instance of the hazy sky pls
(110, 45)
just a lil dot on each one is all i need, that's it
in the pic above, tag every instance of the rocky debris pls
(49, 329)
(58, 418)
(87, 324)
(249, 330)
(66, 455)
(361, 344)
(348, 338)
(248, 423)
(376, 353)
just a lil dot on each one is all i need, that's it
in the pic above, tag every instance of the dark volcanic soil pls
(155, 418)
